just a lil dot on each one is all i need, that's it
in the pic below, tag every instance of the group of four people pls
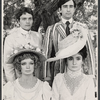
(24, 55)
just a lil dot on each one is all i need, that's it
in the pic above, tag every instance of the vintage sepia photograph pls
(49, 50)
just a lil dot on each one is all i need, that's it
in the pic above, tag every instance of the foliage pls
(86, 12)
(45, 11)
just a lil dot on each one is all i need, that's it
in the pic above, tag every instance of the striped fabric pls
(91, 53)
(52, 37)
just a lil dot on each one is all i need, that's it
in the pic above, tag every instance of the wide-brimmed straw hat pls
(71, 45)
(35, 51)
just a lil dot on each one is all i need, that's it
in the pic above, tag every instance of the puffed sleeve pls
(46, 91)
(56, 85)
(9, 68)
(8, 46)
(90, 91)
(8, 90)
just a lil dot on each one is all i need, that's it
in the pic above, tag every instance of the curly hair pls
(22, 11)
(22, 56)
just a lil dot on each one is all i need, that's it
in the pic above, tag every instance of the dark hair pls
(22, 56)
(22, 11)
(83, 52)
(61, 2)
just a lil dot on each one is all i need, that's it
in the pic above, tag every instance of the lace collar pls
(73, 74)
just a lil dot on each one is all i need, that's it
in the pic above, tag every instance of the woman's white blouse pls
(85, 91)
(14, 91)
(15, 41)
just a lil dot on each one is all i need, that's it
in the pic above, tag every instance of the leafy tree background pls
(47, 9)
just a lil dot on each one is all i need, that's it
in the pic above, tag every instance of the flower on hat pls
(24, 47)
(38, 49)
(75, 33)
(77, 30)
(15, 51)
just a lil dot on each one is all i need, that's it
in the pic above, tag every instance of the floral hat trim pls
(72, 44)
(27, 48)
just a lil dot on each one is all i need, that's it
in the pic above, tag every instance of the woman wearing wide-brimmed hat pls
(27, 86)
(73, 84)
(21, 36)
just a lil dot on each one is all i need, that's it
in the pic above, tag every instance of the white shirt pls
(18, 38)
(64, 20)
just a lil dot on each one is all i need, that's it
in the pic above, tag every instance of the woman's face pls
(27, 66)
(75, 62)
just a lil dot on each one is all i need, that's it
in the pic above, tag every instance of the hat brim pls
(69, 51)
(38, 54)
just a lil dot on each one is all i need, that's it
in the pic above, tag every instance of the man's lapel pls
(61, 29)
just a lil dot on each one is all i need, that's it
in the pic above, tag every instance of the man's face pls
(26, 21)
(68, 9)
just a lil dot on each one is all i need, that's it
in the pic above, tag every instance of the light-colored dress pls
(82, 91)
(14, 91)
(18, 38)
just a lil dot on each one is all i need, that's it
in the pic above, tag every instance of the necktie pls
(67, 28)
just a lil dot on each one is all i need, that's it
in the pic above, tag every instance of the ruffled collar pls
(24, 32)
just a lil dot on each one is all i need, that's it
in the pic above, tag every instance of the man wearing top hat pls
(61, 30)
(21, 37)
